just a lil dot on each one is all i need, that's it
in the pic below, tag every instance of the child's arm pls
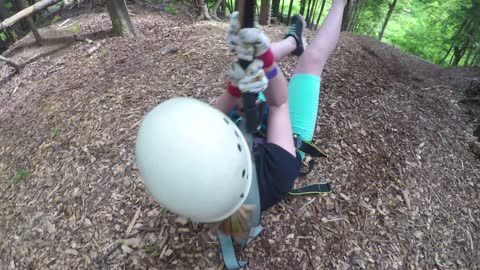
(226, 102)
(279, 130)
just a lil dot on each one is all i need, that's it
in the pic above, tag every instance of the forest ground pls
(405, 182)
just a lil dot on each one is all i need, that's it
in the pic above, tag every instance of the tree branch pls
(9, 62)
(26, 12)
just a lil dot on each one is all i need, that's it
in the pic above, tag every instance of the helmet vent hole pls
(226, 121)
(243, 174)
(242, 195)
(236, 134)
(239, 148)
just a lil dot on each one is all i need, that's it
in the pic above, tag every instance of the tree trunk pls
(470, 38)
(312, 14)
(474, 35)
(281, 11)
(469, 55)
(349, 15)
(289, 12)
(302, 6)
(215, 8)
(230, 6)
(309, 9)
(308, 5)
(121, 23)
(391, 8)
(264, 13)
(14, 31)
(275, 8)
(356, 15)
(223, 8)
(20, 4)
(447, 54)
(203, 8)
(34, 16)
(320, 14)
(26, 12)
(465, 22)
(475, 58)
(459, 52)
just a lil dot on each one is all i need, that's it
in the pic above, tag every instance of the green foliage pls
(15, 37)
(151, 249)
(55, 132)
(170, 9)
(75, 29)
(425, 28)
(55, 19)
(19, 176)
(3, 36)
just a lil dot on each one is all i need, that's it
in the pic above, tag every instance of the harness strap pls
(318, 188)
(307, 147)
(253, 198)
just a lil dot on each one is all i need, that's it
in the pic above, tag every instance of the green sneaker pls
(297, 31)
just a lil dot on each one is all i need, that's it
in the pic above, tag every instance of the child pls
(292, 109)
(197, 166)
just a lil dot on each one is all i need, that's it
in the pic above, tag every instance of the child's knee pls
(311, 62)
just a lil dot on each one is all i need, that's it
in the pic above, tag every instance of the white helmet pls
(194, 160)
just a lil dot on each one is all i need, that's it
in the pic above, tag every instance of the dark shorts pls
(277, 170)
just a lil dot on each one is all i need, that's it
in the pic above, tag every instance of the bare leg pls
(283, 48)
(315, 56)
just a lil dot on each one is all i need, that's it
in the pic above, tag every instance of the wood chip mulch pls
(406, 183)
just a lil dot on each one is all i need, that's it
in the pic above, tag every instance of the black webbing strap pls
(319, 188)
(307, 147)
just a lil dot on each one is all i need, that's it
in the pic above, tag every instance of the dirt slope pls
(406, 184)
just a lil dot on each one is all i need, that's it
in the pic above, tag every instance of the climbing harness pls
(253, 197)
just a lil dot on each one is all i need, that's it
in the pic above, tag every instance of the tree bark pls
(289, 11)
(203, 8)
(309, 8)
(27, 12)
(230, 6)
(473, 36)
(465, 22)
(470, 38)
(320, 14)
(391, 8)
(20, 4)
(121, 23)
(13, 64)
(312, 14)
(275, 8)
(215, 8)
(14, 31)
(302, 6)
(474, 60)
(264, 13)
(459, 52)
(356, 15)
(469, 55)
(223, 8)
(281, 10)
(34, 15)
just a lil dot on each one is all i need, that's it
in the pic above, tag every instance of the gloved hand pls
(246, 43)
(252, 80)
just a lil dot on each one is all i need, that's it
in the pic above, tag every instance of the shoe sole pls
(304, 40)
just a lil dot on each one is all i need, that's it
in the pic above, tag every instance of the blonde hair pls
(238, 224)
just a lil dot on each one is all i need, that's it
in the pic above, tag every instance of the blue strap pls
(229, 257)
(253, 197)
